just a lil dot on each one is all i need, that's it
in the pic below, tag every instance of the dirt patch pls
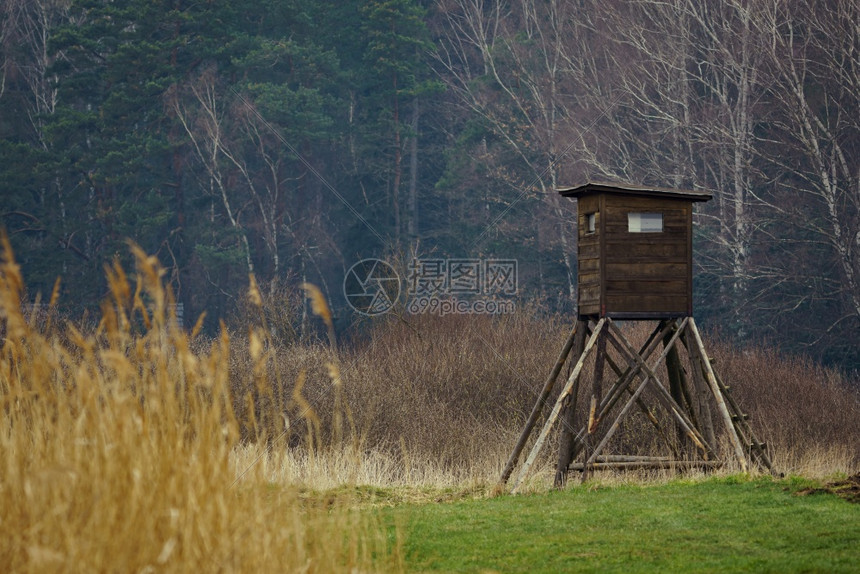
(848, 489)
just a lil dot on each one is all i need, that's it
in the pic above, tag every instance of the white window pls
(639, 222)
(591, 222)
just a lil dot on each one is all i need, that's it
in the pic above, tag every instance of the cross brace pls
(639, 376)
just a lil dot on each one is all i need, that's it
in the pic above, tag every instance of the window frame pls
(591, 223)
(644, 222)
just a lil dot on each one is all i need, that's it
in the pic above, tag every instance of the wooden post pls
(718, 397)
(597, 385)
(662, 394)
(622, 384)
(577, 331)
(743, 427)
(700, 403)
(596, 397)
(690, 412)
(567, 439)
(676, 464)
(557, 408)
(677, 383)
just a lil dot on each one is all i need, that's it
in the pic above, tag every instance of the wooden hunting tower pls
(635, 253)
(635, 250)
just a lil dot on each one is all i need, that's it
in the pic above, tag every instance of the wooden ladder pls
(756, 450)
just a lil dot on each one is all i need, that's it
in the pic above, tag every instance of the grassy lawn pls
(717, 525)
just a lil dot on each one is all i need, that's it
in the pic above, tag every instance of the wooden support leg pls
(557, 408)
(677, 384)
(661, 393)
(596, 398)
(597, 385)
(692, 409)
(701, 392)
(567, 439)
(718, 397)
(618, 339)
(745, 432)
(633, 368)
(578, 330)
(622, 384)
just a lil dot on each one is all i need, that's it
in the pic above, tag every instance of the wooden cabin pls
(635, 250)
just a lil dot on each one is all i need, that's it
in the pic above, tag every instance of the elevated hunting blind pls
(635, 255)
(635, 250)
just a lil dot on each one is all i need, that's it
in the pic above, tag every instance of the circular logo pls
(371, 287)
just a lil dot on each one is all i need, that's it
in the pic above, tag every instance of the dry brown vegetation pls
(441, 400)
(118, 452)
(135, 446)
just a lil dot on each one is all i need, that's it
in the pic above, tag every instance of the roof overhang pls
(592, 188)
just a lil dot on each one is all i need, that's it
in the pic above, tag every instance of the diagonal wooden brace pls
(624, 381)
(620, 342)
(718, 396)
(558, 404)
(538, 407)
(662, 394)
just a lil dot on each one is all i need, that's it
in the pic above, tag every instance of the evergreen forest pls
(286, 140)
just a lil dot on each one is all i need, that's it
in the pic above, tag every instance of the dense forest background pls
(292, 138)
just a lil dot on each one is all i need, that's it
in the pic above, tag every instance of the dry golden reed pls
(118, 451)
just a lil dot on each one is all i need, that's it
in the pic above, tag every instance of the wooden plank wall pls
(635, 274)
(589, 256)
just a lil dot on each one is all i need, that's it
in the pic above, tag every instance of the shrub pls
(453, 393)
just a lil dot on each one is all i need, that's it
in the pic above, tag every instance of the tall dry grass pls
(118, 451)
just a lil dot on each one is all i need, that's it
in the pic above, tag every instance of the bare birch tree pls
(203, 118)
(509, 64)
(25, 29)
(814, 64)
(25, 26)
(688, 78)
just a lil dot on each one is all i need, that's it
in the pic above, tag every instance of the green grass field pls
(716, 525)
